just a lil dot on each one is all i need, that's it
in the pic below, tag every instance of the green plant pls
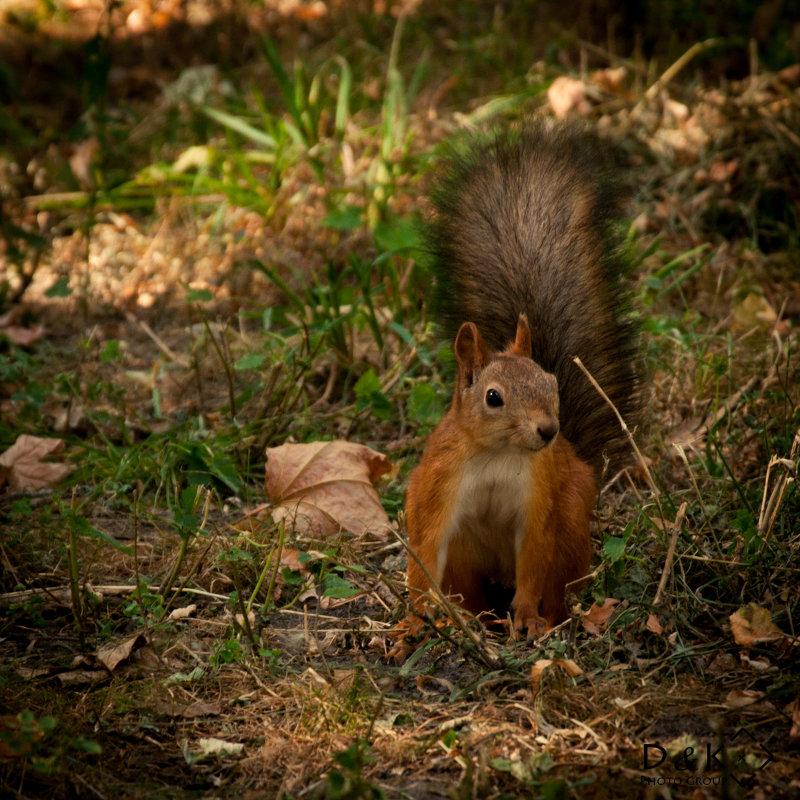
(41, 742)
(228, 651)
(348, 782)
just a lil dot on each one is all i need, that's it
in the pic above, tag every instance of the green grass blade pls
(237, 124)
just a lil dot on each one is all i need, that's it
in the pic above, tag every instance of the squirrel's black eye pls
(493, 399)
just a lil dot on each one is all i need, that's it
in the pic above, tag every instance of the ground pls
(211, 245)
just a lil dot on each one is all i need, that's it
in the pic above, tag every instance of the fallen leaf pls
(721, 171)
(81, 161)
(565, 94)
(326, 487)
(183, 613)
(753, 624)
(610, 78)
(24, 467)
(19, 334)
(653, 624)
(218, 747)
(794, 710)
(722, 663)
(433, 683)
(194, 157)
(78, 677)
(199, 709)
(291, 559)
(111, 656)
(543, 664)
(754, 311)
(758, 664)
(596, 618)
(738, 698)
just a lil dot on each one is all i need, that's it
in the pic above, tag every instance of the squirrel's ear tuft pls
(472, 354)
(522, 342)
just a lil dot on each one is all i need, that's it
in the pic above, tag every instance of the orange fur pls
(524, 222)
(492, 500)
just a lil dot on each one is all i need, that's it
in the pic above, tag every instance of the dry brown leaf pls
(543, 664)
(757, 663)
(326, 487)
(538, 670)
(653, 624)
(723, 663)
(110, 657)
(754, 311)
(291, 559)
(183, 613)
(211, 746)
(19, 334)
(565, 94)
(596, 618)
(738, 698)
(24, 467)
(569, 666)
(81, 161)
(610, 78)
(721, 171)
(201, 709)
(753, 624)
(794, 710)
(78, 677)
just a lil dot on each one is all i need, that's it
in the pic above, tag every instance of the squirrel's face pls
(511, 404)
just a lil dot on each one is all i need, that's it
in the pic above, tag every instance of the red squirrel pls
(526, 260)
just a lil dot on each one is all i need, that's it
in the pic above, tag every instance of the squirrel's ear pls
(471, 354)
(522, 342)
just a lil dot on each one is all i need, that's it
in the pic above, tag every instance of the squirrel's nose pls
(548, 430)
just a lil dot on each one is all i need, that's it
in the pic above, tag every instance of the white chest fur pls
(491, 509)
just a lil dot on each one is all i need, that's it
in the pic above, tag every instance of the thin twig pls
(137, 577)
(642, 462)
(226, 367)
(729, 405)
(160, 343)
(62, 595)
(771, 505)
(677, 66)
(676, 529)
(488, 658)
(275, 568)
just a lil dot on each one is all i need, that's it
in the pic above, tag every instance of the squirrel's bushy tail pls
(527, 222)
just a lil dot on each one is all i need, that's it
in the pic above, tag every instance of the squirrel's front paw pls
(527, 619)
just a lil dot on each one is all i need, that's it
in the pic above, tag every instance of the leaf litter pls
(317, 699)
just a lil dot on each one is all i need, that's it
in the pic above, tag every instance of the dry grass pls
(306, 685)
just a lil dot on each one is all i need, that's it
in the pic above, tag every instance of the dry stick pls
(74, 577)
(639, 456)
(189, 575)
(166, 586)
(275, 567)
(771, 506)
(676, 529)
(677, 66)
(488, 658)
(682, 454)
(61, 595)
(425, 617)
(226, 367)
(625, 430)
(728, 406)
(245, 625)
(137, 577)
(160, 343)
